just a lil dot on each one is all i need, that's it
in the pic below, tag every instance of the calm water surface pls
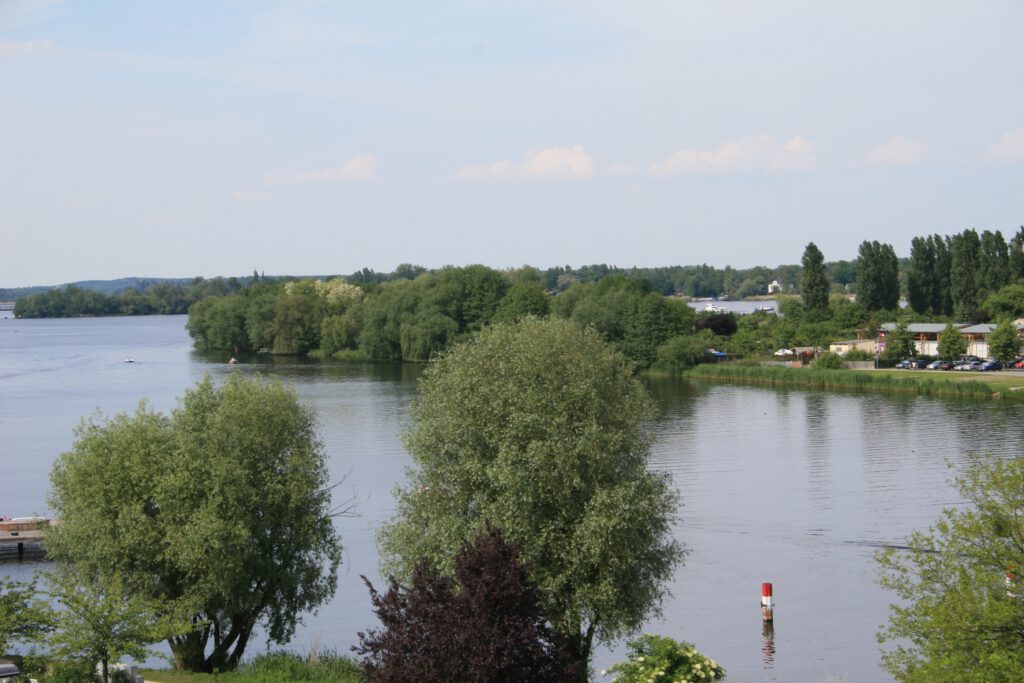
(793, 487)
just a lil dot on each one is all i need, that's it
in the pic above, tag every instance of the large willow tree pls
(540, 429)
(221, 509)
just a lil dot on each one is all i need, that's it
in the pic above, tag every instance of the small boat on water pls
(710, 307)
(767, 308)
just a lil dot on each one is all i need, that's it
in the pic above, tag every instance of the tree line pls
(73, 301)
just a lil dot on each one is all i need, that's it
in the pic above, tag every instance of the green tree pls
(993, 263)
(104, 621)
(900, 343)
(523, 298)
(539, 428)
(223, 506)
(942, 296)
(952, 344)
(921, 275)
(1016, 255)
(683, 352)
(960, 585)
(878, 286)
(1003, 342)
(963, 286)
(23, 614)
(814, 287)
(1008, 302)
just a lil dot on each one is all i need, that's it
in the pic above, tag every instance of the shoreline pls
(922, 383)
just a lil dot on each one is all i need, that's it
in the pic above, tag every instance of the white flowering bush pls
(657, 659)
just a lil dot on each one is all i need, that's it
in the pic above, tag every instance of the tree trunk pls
(190, 651)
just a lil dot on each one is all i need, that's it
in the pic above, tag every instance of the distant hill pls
(101, 286)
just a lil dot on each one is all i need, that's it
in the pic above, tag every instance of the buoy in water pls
(767, 608)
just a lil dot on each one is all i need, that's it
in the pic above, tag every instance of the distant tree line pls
(411, 320)
(72, 301)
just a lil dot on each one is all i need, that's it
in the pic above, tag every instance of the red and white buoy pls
(767, 608)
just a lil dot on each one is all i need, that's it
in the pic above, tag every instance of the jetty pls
(21, 532)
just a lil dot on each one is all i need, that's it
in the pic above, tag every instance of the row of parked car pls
(967, 363)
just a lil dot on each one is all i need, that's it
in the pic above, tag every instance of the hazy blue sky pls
(213, 138)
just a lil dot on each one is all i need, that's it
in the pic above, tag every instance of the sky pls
(219, 137)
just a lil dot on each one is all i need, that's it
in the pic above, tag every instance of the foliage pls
(814, 286)
(878, 286)
(964, 251)
(960, 618)
(287, 667)
(275, 667)
(681, 353)
(102, 621)
(223, 506)
(828, 361)
(921, 275)
(952, 344)
(1003, 342)
(720, 324)
(540, 429)
(627, 314)
(145, 297)
(1008, 302)
(486, 623)
(23, 615)
(899, 343)
(523, 299)
(658, 658)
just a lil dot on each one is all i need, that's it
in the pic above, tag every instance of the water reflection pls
(768, 645)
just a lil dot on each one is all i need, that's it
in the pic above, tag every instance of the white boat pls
(710, 307)
(767, 308)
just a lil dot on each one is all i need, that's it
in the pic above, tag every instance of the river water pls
(798, 488)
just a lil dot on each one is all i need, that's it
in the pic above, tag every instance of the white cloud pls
(11, 48)
(246, 197)
(360, 168)
(1009, 148)
(760, 153)
(898, 152)
(553, 163)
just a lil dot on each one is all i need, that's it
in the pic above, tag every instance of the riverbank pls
(973, 385)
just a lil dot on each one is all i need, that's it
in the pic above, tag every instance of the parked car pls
(919, 364)
(940, 365)
(9, 672)
(1019, 364)
(970, 366)
(991, 365)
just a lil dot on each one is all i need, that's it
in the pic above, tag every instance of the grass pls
(984, 385)
(276, 667)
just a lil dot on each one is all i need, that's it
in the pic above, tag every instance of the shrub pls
(485, 625)
(829, 361)
(663, 659)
